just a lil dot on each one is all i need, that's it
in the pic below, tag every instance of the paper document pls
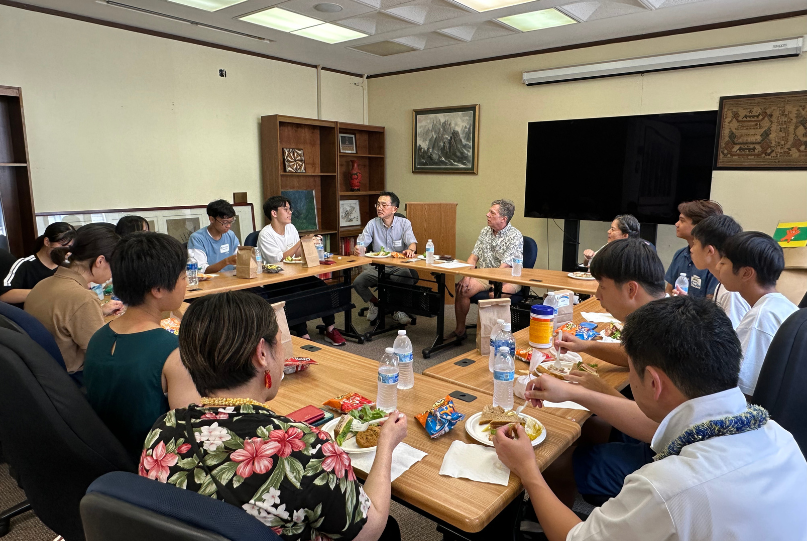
(597, 317)
(452, 265)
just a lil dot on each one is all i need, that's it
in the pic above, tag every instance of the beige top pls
(70, 311)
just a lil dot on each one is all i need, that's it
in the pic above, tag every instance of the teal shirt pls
(125, 387)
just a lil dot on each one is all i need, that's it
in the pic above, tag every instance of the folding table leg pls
(381, 321)
(439, 343)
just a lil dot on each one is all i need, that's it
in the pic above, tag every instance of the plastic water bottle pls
(360, 248)
(683, 282)
(258, 260)
(504, 372)
(518, 264)
(403, 349)
(551, 300)
(506, 339)
(494, 335)
(429, 252)
(387, 398)
(192, 270)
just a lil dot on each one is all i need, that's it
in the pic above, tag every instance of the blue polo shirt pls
(701, 282)
(207, 251)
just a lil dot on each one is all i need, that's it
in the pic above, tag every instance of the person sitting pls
(280, 240)
(714, 453)
(64, 303)
(708, 238)
(132, 370)
(393, 233)
(29, 271)
(215, 247)
(624, 226)
(130, 224)
(701, 282)
(230, 344)
(498, 244)
(751, 265)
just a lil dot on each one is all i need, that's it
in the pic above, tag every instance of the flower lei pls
(751, 419)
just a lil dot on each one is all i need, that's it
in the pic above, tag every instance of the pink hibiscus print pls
(254, 457)
(141, 470)
(159, 463)
(290, 440)
(336, 460)
(184, 448)
(321, 434)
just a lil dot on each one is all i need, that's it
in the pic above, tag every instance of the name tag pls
(397, 243)
(696, 281)
(224, 249)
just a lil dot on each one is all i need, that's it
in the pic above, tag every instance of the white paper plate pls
(295, 262)
(475, 431)
(205, 277)
(571, 275)
(377, 256)
(350, 446)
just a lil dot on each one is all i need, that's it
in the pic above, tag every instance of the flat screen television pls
(598, 168)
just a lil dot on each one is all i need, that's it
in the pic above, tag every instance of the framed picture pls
(304, 205)
(293, 160)
(445, 140)
(349, 212)
(762, 131)
(347, 143)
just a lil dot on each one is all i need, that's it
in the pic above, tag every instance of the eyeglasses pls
(287, 209)
(382, 205)
(227, 223)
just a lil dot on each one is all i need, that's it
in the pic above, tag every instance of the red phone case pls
(308, 414)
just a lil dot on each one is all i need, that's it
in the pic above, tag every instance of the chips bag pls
(440, 418)
(296, 364)
(347, 402)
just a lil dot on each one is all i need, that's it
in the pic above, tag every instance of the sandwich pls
(591, 368)
(343, 428)
(551, 370)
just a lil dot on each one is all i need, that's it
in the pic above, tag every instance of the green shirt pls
(125, 387)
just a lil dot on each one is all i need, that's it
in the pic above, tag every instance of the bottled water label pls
(500, 375)
(517, 261)
(405, 358)
(388, 378)
(192, 266)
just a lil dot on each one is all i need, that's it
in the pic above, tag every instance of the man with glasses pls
(215, 247)
(393, 233)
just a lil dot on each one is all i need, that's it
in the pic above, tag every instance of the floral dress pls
(288, 475)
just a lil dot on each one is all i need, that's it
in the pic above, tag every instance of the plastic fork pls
(356, 426)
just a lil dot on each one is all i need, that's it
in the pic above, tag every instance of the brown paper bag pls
(246, 266)
(285, 335)
(309, 253)
(489, 311)
(565, 313)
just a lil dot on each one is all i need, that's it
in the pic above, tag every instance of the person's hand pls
(589, 381)
(548, 388)
(464, 284)
(679, 291)
(408, 253)
(112, 308)
(516, 454)
(393, 431)
(232, 260)
(588, 254)
(570, 343)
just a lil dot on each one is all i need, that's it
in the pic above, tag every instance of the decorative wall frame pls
(445, 139)
(347, 143)
(349, 212)
(293, 160)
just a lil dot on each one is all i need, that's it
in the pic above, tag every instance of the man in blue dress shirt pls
(701, 282)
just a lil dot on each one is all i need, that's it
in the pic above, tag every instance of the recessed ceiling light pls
(487, 5)
(329, 33)
(208, 5)
(281, 19)
(328, 7)
(537, 20)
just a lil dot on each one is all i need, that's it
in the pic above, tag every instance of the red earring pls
(267, 379)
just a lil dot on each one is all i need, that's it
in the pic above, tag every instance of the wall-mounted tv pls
(597, 168)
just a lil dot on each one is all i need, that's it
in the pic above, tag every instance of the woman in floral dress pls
(288, 475)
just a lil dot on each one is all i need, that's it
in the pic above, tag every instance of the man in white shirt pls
(280, 240)
(751, 264)
(708, 238)
(723, 470)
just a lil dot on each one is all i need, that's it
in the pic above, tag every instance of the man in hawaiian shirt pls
(498, 244)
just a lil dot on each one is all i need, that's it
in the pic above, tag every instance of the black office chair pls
(252, 239)
(780, 387)
(51, 435)
(126, 507)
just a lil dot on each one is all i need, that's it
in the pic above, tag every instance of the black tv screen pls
(598, 168)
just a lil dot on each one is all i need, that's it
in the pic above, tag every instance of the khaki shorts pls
(485, 284)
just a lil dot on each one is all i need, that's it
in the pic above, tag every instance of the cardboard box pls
(793, 284)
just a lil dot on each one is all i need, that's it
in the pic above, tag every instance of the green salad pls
(363, 414)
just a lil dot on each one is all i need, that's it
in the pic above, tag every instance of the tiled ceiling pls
(392, 35)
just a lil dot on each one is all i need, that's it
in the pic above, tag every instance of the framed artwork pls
(349, 212)
(304, 207)
(293, 160)
(445, 140)
(763, 131)
(347, 143)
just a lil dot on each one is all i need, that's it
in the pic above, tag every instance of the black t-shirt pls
(25, 273)
(7, 260)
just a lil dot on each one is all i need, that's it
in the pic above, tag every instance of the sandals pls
(454, 337)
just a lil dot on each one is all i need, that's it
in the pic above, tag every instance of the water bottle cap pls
(507, 327)
(500, 321)
(402, 333)
(683, 274)
(389, 350)
(542, 310)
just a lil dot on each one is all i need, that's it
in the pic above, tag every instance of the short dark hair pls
(57, 232)
(715, 230)
(273, 203)
(392, 198)
(142, 261)
(758, 251)
(92, 241)
(628, 225)
(220, 209)
(218, 335)
(131, 224)
(699, 210)
(690, 339)
(630, 260)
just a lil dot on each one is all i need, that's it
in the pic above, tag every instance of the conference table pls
(543, 278)
(471, 369)
(454, 503)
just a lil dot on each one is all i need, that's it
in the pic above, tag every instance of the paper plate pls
(475, 431)
(350, 446)
(572, 275)
(205, 277)
(378, 256)
(295, 262)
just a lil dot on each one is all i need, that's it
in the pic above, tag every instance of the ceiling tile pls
(673, 3)
(384, 4)
(384, 48)
(617, 8)
(476, 32)
(375, 23)
(306, 7)
(580, 10)
(427, 11)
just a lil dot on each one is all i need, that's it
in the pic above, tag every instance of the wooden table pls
(477, 376)
(462, 503)
(549, 279)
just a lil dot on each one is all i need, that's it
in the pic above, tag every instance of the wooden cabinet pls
(436, 221)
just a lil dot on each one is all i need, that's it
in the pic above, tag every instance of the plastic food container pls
(542, 320)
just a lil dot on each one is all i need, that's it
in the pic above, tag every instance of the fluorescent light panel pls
(281, 19)
(537, 20)
(487, 5)
(329, 33)
(208, 5)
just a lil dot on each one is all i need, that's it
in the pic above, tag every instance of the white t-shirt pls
(756, 330)
(732, 303)
(273, 246)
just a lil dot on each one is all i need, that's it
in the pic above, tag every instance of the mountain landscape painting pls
(445, 140)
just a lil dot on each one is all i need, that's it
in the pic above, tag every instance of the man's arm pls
(610, 352)
(15, 296)
(216, 267)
